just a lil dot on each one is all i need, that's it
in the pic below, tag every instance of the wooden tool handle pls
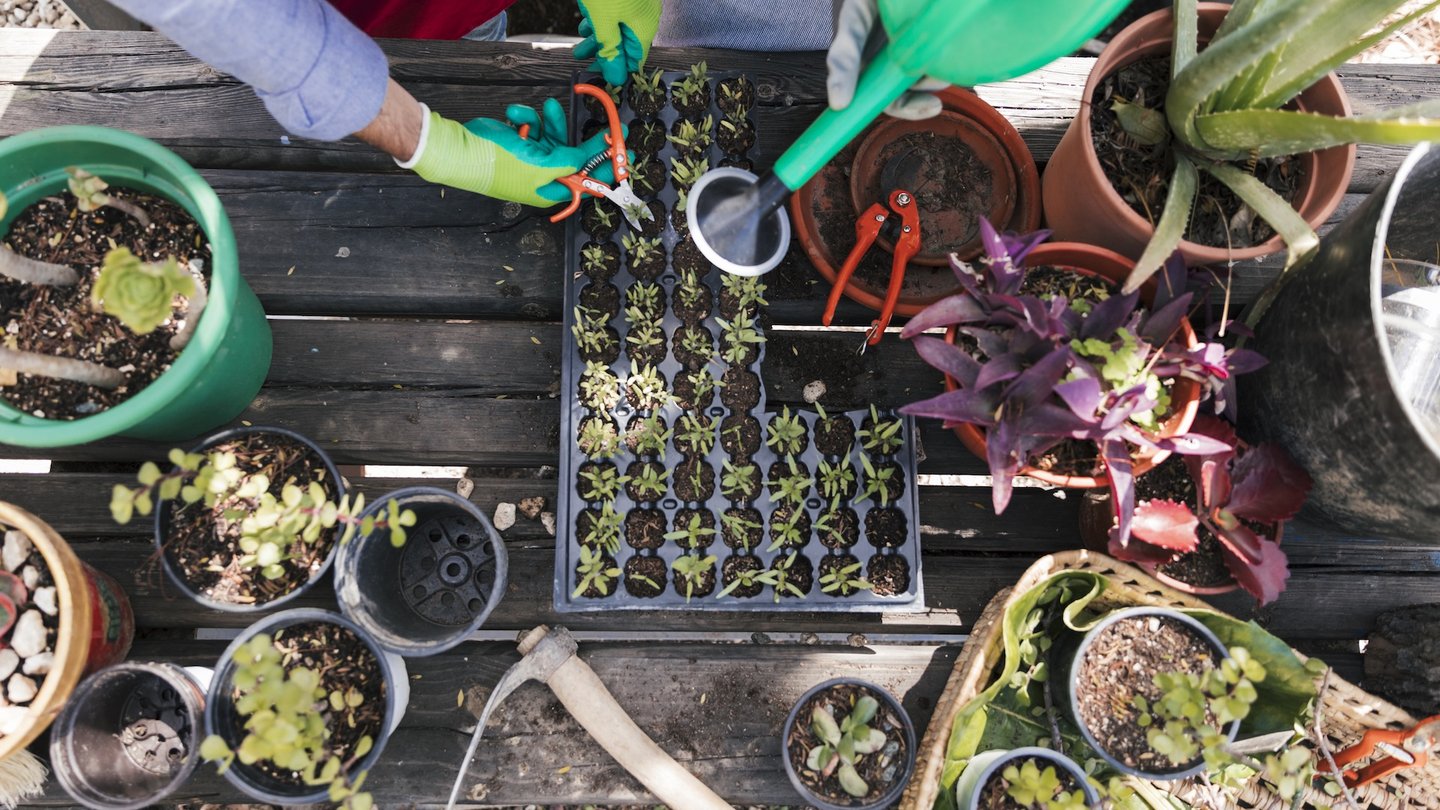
(589, 702)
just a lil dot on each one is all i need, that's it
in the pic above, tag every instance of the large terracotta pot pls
(1081, 205)
(1184, 395)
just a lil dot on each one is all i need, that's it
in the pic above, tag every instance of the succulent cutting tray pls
(710, 468)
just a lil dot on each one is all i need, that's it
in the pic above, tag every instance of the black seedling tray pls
(571, 505)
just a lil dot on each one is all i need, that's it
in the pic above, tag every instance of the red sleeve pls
(420, 19)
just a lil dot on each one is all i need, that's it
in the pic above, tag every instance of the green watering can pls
(736, 217)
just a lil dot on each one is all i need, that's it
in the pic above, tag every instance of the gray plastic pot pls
(129, 735)
(1065, 658)
(1331, 394)
(903, 771)
(986, 764)
(431, 593)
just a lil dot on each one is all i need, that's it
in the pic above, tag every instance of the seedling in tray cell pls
(644, 302)
(735, 97)
(604, 527)
(744, 293)
(792, 488)
(599, 387)
(837, 479)
(691, 292)
(596, 571)
(647, 92)
(702, 385)
(788, 530)
(649, 483)
(645, 388)
(740, 339)
(646, 339)
(740, 482)
(844, 581)
(691, 95)
(595, 260)
(696, 343)
(693, 534)
(696, 434)
(692, 138)
(686, 171)
(646, 253)
(600, 219)
(592, 332)
(648, 436)
(598, 438)
(737, 135)
(787, 577)
(749, 579)
(788, 434)
(636, 576)
(691, 571)
(736, 525)
(600, 482)
(881, 436)
(881, 484)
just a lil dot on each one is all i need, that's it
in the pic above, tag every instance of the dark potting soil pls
(993, 796)
(895, 487)
(879, 770)
(738, 162)
(1141, 174)
(704, 585)
(1122, 662)
(1046, 282)
(748, 536)
(682, 523)
(656, 223)
(694, 481)
(601, 298)
(636, 428)
(691, 359)
(867, 427)
(801, 574)
(740, 95)
(646, 354)
(680, 221)
(607, 353)
(842, 530)
(689, 446)
(593, 591)
(740, 391)
(733, 567)
(585, 525)
(782, 516)
(831, 563)
(203, 546)
(61, 322)
(633, 471)
(885, 527)
(691, 305)
(740, 434)
(834, 435)
(645, 528)
(650, 267)
(696, 149)
(697, 104)
(600, 228)
(645, 576)
(687, 258)
(735, 137)
(607, 269)
(646, 137)
(649, 177)
(685, 393)
(889, 573)
(344, 662)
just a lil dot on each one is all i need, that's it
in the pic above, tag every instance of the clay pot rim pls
(1028, 194)
(1185, 393)
(1121, 51)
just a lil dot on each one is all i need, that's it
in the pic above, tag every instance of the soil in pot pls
(885, 527)
(879, 770)
(841, 530)
(650, 267)
(687, 358)
(651, 354)
(694, 482)
(693, 306)
(746, 535)
(645, 137)
(835, 435)
(739, 432)
(60, 320)
(1119, 665)
(680, 221)
(734, 566)
(782, 517)
(889, 573)
(202, 545)
(736, 137)
(1205, 566)
(992, 795)
(29, 623)
(645, 529)
(741, 392)
(687, 258)
(603, 297)
(601, 219)
(1046, 282)
(1141, 174)
(645, 576)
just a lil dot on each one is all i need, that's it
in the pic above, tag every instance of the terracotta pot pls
(1080, 203)
(874, 165)
(1184, 395)
(96, 625)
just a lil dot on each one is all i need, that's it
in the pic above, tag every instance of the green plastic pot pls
(222, 368)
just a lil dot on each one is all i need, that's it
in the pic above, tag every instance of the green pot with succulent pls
(1221, 130)
(1028, 778)
(848, 744)
(119, 246)
(300, 707)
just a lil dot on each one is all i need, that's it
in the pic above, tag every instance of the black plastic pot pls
(221, 718)
(430, 594)
(1330, 394)
(1066, 655)
(903, 772)
(129, 735)
(983, 766)
(162, 525)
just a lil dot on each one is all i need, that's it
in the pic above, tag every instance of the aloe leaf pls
(1171, 228)
(1300, 240)
(1239, 94)
(1185, 43)
(1244, 11)
(1268, 133)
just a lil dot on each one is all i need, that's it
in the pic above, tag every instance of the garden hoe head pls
(736, 217)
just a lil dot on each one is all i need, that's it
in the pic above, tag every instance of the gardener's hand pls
(858, 20)
(489, 157)
(617, 34)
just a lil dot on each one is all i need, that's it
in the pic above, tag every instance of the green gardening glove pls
(618, 34)
(489, 157)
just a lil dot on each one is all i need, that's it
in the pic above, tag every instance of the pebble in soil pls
(29, 657)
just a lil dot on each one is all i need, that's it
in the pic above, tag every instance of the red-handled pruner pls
(907, 243)
(581, 183)
(1406, 748)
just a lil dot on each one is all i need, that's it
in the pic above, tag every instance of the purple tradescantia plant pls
(1042, 371)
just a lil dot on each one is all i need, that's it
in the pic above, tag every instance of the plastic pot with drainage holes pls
(130, 734)
(431, 593)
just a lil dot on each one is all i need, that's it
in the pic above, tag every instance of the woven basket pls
(1346, 711)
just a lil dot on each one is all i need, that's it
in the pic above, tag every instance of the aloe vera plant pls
(1224, 107)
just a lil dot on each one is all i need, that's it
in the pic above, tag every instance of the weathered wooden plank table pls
(403, 349)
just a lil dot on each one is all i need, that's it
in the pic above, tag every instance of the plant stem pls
(61, 368)
(1335, 771)
(192, 312)
(130, 209)
(31, 271)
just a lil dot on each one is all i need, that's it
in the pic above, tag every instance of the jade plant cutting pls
(844, 742)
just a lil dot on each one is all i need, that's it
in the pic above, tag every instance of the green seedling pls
(783, 584)
(1031, 787)
(591, 331)
(844, 581)
(140, 294)
(878, 482)
(636, 576)
(836, 478)
(704, 383)
(827, 525)
(650, 482)
(692, 571)
(599, 439)
(883, 436)
(1127, 366)
(649, 436)
(644, 302)
(787, 433)
(748, 291)
(649, 85)
(604, 215)
(593, 258)
(749, 578)
(845, 743)
(693, 535)
(691, 291)
(740, 482)
(737, 109)
(642, 249)
(786, 534)
(1176, 723)
(91, 195)
(644, 335)
(599, 387)
(686, 172)
(646, 387)
(692, 137)
(693, 88)
(697, 431)
(595, 569)
(605, 530)
(698, 343)
(738, 336)
(601, 482)
(739, 527)
(792, 488)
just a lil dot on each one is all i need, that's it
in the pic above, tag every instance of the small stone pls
(9, 661)
(51, 14)
(39, 664)
(16, 550)
(813, 391)
(20, 689)
(18, 15)
(504, 516)
(44, 599)
(532, 506)
(29, 636)
(548, 520)
(464, 487)
(30, 575)
(12, 719)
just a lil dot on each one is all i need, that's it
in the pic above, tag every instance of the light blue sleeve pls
(319, 75)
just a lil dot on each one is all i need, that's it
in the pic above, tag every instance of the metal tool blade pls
(630, 204)
(513, 677)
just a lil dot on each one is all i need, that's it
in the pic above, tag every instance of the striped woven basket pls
(1346, 712)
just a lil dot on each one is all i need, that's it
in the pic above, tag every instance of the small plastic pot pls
(163, 512)
(221, 718)
(1096, 262)
(430, 594)
(903, 771)
(1067, 657)
(986, 764)
(130, 735)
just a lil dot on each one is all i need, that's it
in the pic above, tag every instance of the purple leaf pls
(1002, 452)
(1213, 484)
(1192, 444)
(1108, 315)
(1166, 524)
(1138, 552)
(991, 344)
(1171, 281)
(961, 308)
(1217, 429)
(973, 406)
(1240, 539)
(1115, 453)
(1020, 245)
(1269, 485)
(1244, 361)
(1046, 419)
(1163, 325)
(1081, 395)
(948, 358)
(8, 614)
(999, 369)
(1264, 580)
(1036, 383)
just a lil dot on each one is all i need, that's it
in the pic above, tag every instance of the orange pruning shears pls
(1405, 748)
(907, 244)
(581, 183)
